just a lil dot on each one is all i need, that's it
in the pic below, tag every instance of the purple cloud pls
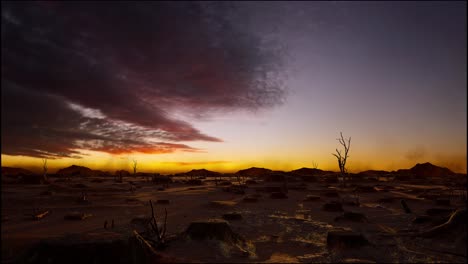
(108, 77)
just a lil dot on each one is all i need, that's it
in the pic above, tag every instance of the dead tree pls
(44, 166)
(134, 167)
(342, 157)
(314, 165)
(158, 232)
(239, 180)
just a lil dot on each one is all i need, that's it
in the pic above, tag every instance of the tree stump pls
(212, 229)
(405, 206)
(352, 217)
(162, 201)
(232, 216)
(311, 198)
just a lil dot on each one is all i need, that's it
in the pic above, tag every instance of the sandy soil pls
(275, 230)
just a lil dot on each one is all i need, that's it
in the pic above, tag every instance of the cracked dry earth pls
(275, 230)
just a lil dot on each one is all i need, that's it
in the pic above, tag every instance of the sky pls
(229, 85)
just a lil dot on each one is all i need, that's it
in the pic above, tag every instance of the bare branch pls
(342, 158)
(154, 223)
(163, 235)
(44, 166)
(134, 166)
(314, 165)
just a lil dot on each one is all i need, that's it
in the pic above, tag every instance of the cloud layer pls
(110, 77)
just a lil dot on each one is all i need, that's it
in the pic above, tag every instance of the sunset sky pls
(226, 86)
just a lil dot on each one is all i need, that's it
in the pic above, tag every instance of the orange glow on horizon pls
(182, 162)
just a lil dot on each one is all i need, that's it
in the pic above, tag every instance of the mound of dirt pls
(365, 189)
(101, 247)
(31, 179)
(339, 239)
(332, 207)
(387, 200)
(352, 217)
(278, 195)
(106, 247)
(212, 229)
(76, 216)
(232, 216)
(80, 186)
(47, 192)
(274, 188)
(354, 260)
(250, 199)
(310, 198)
(439, 211)
(195, 182)
(251, 182)
(425, 219)
(224, 183)
(331, 194)
(162, 201)
(442, 202)
(161, 179)
(455, 227)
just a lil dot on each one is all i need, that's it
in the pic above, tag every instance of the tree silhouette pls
(44, 167)
(342, 157)
(134, 167)
(314, 165)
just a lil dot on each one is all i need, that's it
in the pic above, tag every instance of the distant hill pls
(309, 172)
(429, 170)
(202, 172)
(10, 171)
(75, 170)
(254, 172)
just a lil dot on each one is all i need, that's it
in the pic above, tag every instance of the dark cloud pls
(108, 77)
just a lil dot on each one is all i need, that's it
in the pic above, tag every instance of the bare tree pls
(342, 157)
(134, 167)
(314, 165)
(159, 232)
(44, 166)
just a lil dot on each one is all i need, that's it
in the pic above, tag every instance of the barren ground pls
(276, 230)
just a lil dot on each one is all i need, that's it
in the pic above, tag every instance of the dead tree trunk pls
(134, 167)
(44, 166)
(342, 157)
(159, 232)
(314, 165)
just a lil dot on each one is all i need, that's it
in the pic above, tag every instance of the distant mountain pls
(429, 170)
(309, 172)
(10, 171)
(75, 170)
(202, 172)
(254, 172)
